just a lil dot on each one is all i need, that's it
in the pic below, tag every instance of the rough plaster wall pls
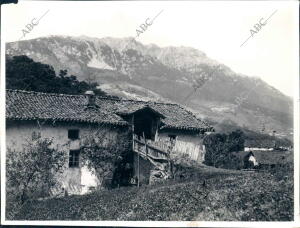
(74, 180)
(186, 144)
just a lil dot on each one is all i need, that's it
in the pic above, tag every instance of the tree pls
(33, 170)
(63, 73)
(215, 149)
(219, 148)
(235, 141)
(25, 74)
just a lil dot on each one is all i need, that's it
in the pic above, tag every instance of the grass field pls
(226, 196)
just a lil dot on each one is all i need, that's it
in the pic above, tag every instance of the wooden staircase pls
(157, 153)
(156, 150)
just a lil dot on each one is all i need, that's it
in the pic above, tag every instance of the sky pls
(217, 28)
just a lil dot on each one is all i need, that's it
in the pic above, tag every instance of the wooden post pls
(145, 143)
(137, 151)
(132, 125)
(138, 154)
(138, 181)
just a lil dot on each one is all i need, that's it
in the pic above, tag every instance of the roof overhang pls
(145, 108)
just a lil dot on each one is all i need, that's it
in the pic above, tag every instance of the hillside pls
(128, 68)
(265, 197)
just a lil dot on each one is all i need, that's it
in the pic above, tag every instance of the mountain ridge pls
(132, 69)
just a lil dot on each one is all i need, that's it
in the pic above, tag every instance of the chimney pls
(91, 99)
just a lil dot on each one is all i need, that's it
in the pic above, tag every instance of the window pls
(73, 134)
(74, 158)
(172, 137)
(172, 140)
(35, 135)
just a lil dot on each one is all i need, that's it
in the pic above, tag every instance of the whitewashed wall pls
(74, 180)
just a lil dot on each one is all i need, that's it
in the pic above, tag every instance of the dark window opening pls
(172, 140)
(35, 135)
(172, 137)
(74, 158)
(144, 126)
(73, 134)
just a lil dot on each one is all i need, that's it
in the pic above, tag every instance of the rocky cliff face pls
(185, 75)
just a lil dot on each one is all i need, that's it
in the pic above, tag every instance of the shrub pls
(33, 170)
(180, 164)
(30, 173)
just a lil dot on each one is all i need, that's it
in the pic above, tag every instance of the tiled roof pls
(24, 105)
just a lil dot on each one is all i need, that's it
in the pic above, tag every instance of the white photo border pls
(294, 223)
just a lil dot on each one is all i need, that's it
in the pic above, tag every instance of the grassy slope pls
(226, 196)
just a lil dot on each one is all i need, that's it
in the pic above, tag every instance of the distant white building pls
(257, 148)
(259, 145)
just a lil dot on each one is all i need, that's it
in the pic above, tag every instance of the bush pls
(32, 172)
(180, 163)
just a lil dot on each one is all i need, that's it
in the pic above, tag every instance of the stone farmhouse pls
(155, 128)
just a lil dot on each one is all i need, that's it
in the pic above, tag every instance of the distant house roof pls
(24, 105)
(268, 157)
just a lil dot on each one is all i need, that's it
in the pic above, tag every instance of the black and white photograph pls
(161, 113)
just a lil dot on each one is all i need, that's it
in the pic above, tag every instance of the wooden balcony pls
(156, 150)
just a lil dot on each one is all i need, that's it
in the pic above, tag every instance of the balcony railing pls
(157, 150)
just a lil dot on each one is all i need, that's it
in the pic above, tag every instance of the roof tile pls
(24, 105)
